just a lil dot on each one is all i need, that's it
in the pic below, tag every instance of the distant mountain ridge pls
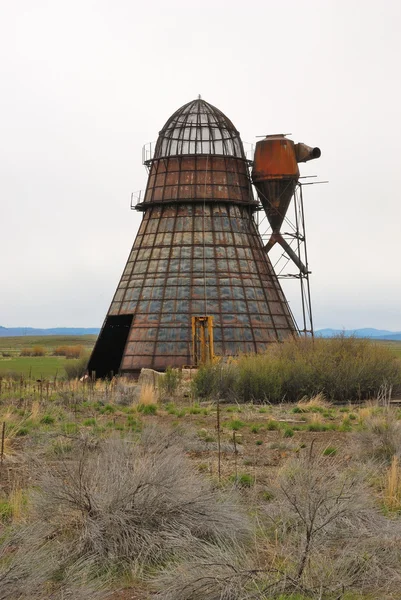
(367, 332)
(21, 331)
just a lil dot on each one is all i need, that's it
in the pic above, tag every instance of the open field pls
(393, 346)
(15, 344)
(40, 366)
(36, 367)
(247, 450)
(51, 366)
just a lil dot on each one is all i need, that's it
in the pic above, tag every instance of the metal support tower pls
(295, 236)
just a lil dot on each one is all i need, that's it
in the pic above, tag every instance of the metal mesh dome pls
(199, 128)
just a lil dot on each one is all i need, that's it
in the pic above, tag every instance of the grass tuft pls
(392, 486)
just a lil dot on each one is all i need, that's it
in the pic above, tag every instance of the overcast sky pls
(85, 83)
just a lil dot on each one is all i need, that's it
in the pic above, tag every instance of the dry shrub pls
(332, 536)
(319, 538)
(121, 507)
(380, 438)
(38, 351)
(35, 351)
(76, 368)
(208, 573)
(126, 391)
(33, 570)
(69, 351)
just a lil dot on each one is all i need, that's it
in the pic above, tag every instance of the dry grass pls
(148, 395)
(318, 401)
(392, 486)
(11, 432)
(35, 411)
(315, 418)
(17, 503)
(369, 410)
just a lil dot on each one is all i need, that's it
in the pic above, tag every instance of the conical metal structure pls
(197, 252)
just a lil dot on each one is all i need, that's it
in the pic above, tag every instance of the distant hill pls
(21, 331)
(380, 334)
(368, 332)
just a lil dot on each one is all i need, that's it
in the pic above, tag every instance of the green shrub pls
(47, 420)
(76, 368)
(147, 409)
(342, 368)
(69, 428)
(316, 427)
(205, 382)
(235, 424)
(133, 424)
(22, 431)
(272, 425)
(215, 379)
(109, 409)
(170, 382)
(346, 425)
(6, 511)
(330, 451)
(288, 432)
(242, 480)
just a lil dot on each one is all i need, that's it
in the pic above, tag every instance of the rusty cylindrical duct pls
(304, 153)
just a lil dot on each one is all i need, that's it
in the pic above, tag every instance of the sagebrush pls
(119, 507)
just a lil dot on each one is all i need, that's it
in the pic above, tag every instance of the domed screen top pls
(199, 128)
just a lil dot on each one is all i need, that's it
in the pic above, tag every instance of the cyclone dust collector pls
(198, 252)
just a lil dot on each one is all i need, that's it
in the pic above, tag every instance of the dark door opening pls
(107, 354)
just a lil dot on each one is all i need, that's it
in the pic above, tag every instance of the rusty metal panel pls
(274, 157)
